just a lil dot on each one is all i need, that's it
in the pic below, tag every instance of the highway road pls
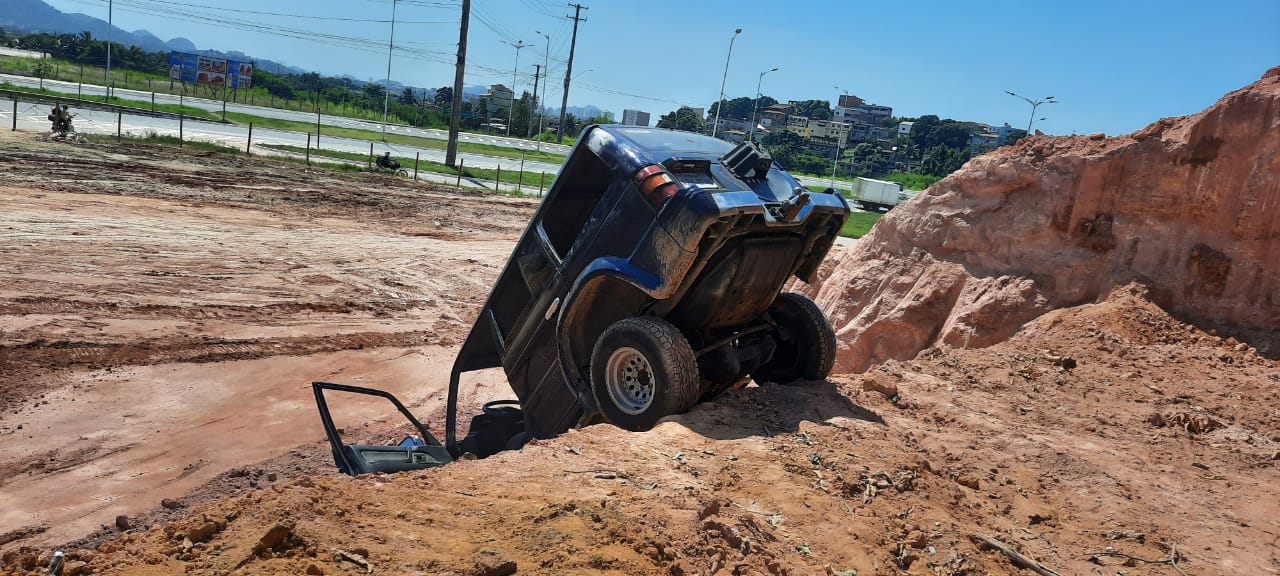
(97, 124)
(265, 112)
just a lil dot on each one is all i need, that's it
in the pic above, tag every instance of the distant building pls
(701, 112)
(904, 128)
(499, 98)
(849, 101)
(774, 116)
(728, 124)
(635, 117)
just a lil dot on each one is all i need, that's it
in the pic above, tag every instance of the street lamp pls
(720, 102)
(1034, 104)
(756, 104)
(839, 141)
(511, 114)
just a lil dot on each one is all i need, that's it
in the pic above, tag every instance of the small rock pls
(171, 504)
(1241, 347)
(916, 539)
(272, 478)
(1097, 136)
(490, 563)
(709, 509)
(203, 532)
(874, 383)
(968, 480)
(274, 536)
(76, 568)
(314, 569)
(122, 523)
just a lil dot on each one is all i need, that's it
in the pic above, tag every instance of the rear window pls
(664, 142)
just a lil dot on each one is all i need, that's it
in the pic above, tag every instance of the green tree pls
(407, 97)
(949, 133)
(922, 127)
(683, 118)
(738, 108)
(1013, 137)
(444, 97)
(373, 93)
(42, 69)
(815, 109)
(520, 115)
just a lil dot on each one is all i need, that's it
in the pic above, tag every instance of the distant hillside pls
(35, 16)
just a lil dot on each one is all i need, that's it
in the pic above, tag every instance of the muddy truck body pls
(649, 279)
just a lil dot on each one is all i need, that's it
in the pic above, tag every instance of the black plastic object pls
(748, 161)
(496, 424)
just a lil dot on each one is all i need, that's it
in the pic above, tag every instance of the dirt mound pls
(1189, 207)
(1075, 442)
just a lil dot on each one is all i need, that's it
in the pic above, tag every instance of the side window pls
(534, 266)
(569, 209)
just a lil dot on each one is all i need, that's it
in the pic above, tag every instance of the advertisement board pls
(211, 71)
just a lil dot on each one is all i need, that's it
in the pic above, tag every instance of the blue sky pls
(1114, 66)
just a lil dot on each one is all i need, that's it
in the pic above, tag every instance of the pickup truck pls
(649, 279)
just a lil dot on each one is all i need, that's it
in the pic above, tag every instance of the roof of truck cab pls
(658, 144)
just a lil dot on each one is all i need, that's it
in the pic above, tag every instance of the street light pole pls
(1034, 104)
(386, 94)
(839, 141)
(755, 105)
(720, 102)
(511, 114)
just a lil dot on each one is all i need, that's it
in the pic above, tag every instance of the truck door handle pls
(551, 310)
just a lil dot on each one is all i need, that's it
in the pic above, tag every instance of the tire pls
(806, 344)
(402, 172)
(641, 370)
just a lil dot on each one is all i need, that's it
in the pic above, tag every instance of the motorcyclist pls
(61, 118)
(386, 161)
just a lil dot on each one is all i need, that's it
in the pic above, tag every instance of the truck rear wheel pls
(806, 344)
(641, 370)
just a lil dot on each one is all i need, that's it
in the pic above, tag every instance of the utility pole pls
(386, 94)
(455, 119)
(568, 72)
(511, 114)
(537, 71)
(546, 69)
(109, 50)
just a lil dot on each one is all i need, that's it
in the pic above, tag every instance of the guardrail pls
(94, 105)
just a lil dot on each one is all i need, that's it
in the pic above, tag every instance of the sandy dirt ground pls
(162, 314)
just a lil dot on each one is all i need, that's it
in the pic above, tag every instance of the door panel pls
(413, 453)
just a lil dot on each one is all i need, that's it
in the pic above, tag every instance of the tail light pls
(656, 184)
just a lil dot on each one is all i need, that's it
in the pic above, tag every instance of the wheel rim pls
(629, 380)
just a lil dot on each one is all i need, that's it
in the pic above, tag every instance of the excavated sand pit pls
(1068, 347)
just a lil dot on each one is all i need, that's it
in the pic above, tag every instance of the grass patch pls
(374, 136)
(531, 179)
(912, 181)
(859, 224)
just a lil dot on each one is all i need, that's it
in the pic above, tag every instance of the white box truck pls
(876, 195)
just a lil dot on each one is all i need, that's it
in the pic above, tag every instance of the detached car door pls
(412, 453)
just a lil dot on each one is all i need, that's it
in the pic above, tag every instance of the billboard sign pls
(217, 72)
